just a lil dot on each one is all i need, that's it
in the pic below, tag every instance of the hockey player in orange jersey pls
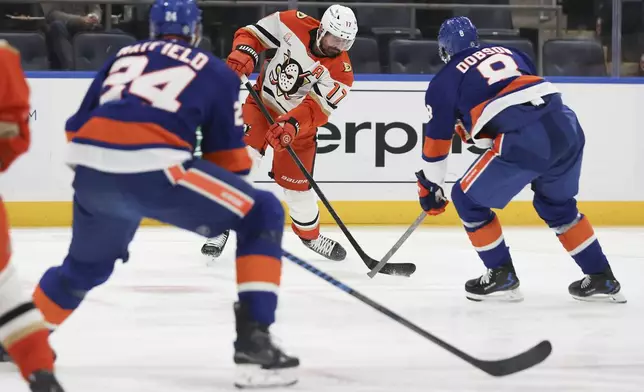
(22, 329)
(305, 81)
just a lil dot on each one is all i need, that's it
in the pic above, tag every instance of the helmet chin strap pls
(318, 42)
(444, 55)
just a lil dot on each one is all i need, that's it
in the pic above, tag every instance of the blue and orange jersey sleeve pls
(223, 130)
(90, 102)
(442, 112)
(441, 107)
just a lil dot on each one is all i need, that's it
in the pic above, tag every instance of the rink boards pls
(368, 153)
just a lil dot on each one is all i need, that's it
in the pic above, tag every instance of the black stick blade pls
(398, 269)
(394, 269)
(523, 361)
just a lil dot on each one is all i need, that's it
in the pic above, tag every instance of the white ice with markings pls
(164, 322)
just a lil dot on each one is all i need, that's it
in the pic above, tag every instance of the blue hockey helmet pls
(176, 17)
(456, 34)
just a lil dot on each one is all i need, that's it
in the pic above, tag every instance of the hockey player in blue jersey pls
(131, 146)
(491, 97)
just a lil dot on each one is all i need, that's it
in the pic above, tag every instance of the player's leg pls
(490, 183)
(23, 333)
(214, 246)
(554, 201)
(207, 199)
(515, 159)
(103, 227)
(255, 136)
(302, 200)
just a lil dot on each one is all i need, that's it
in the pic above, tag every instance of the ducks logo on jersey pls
(288, 76)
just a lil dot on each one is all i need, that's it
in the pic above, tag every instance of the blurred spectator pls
(64, 21)
(582, 14)
(20, 17)
(632, 17)
(132, 20)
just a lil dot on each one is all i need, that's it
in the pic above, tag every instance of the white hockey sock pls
(303, 209)
(18, 317)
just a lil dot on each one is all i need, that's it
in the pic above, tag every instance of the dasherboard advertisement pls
(371, 146)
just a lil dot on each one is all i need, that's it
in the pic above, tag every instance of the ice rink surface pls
(164, 322)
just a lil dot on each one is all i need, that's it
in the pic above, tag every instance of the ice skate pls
(260, 363)
(601, 287)
(44, 381)
(215, 246)
(498, 284)
(326, 247)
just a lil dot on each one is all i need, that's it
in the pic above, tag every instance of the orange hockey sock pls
(32, 352)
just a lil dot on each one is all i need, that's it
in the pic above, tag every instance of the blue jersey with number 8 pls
(478, 90)
(143, 109)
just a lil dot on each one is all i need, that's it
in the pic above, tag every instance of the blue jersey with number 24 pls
(143, 109)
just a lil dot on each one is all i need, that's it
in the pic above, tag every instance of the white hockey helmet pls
(340, 23)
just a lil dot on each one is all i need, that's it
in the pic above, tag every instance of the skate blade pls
(514, 295)
(209, 251)
(617, 298)
(254, 377)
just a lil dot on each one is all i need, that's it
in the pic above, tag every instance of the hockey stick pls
(503, 367)
(403, 269)
(397, 245)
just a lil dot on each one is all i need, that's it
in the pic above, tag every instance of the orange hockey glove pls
(242, 60)
(282, 133)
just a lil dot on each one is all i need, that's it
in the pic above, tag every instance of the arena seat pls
(32, 48)
(364, 55)
(91, 50)
(414, 57)
(573, 57)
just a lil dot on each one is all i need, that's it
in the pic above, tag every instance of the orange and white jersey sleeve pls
(326, 95)
(23, 333)
(14, 107)
(260, 36)
(14, 91)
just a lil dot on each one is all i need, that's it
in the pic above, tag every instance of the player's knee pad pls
(267, 212)
(81, 276)
(555, 213)
(472, 214)
(261, 230)
(10, 290)
(562, 229)
(461, 201)
(87, 275)
(304, 212)
(62, 289)
(302, 205)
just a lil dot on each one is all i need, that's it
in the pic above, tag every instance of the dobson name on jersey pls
(497, 79)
